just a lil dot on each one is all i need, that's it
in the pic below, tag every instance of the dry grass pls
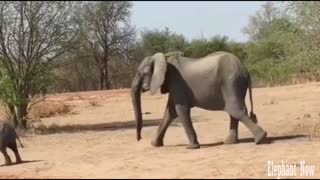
(315, 129)
(4, 113)
(74, 97)
(304, 78)
(48, 109)
(312, 130)
(93, 103)
(308, 125)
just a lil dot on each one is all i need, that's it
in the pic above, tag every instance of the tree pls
(218, 43)
(32, 36)
(238, 49)
(105, 26)
(197, 48)
(77, 72)
(306, 14)
(202, 47)
(259, 23)
(154, 41)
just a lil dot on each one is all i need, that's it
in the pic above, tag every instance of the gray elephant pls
(8, 138)
(217, 82)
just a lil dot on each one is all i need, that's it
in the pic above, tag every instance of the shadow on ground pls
(268, 140)
(111, 126)
(23, 162)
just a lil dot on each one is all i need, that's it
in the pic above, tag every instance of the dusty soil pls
(102, 142)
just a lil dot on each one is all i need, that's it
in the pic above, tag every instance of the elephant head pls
(149, 77)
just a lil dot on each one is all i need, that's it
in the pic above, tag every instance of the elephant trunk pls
(136, 101)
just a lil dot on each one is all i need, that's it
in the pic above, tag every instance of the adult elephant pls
(217, 82)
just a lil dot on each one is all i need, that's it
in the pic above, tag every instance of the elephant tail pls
(18, 139)
(253, 116)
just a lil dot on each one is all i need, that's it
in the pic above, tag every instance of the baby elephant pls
(8, 139)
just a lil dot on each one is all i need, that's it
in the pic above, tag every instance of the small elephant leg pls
(169, 116)
(183, 113)
(14, 148)
(256, 130)
(6, 157)
(232, 138)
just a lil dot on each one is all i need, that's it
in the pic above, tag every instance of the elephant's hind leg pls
(232, 138)
(6, 156)
(14, 148)
(256, 130)
(169, 116)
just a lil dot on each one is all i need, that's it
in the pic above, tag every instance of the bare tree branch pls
(105, 35)
(32, 35)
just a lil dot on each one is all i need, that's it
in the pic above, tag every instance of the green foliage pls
(99, 48)
(238, 49)
(277, 53)
(284, 44)
(259, 24)
(268, 73)
(197, 48)
(40, 82)
(280, 54)
(202, 47)
(7, 91)
(162, 41)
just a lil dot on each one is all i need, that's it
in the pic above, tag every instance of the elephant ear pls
(159, 71)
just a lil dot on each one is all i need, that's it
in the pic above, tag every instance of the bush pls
(48, 109)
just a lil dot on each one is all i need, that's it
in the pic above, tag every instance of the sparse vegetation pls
(68, 47)
(32, 36)
(50, 47)
(280, 50)
(48, 109)
(316, 129)
(93, 102)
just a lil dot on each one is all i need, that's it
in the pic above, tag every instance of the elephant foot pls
(7, 163)
(157, 143)
(231, 139)
(193, 146)
(259, 137)
(18, 161)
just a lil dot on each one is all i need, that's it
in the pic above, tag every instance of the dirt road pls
(104, 145)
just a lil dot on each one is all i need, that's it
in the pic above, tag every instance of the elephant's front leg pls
(183, 113)
(232, 138)
(169, 116)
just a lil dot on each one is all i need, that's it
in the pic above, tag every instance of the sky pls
(196, 19)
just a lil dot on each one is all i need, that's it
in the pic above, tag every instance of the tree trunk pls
(22, 115)
(107, 81)
(13, 115)
(102, 77)
(104, 80)
(105, 70)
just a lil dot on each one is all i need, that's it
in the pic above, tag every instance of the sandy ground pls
(105, 146)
